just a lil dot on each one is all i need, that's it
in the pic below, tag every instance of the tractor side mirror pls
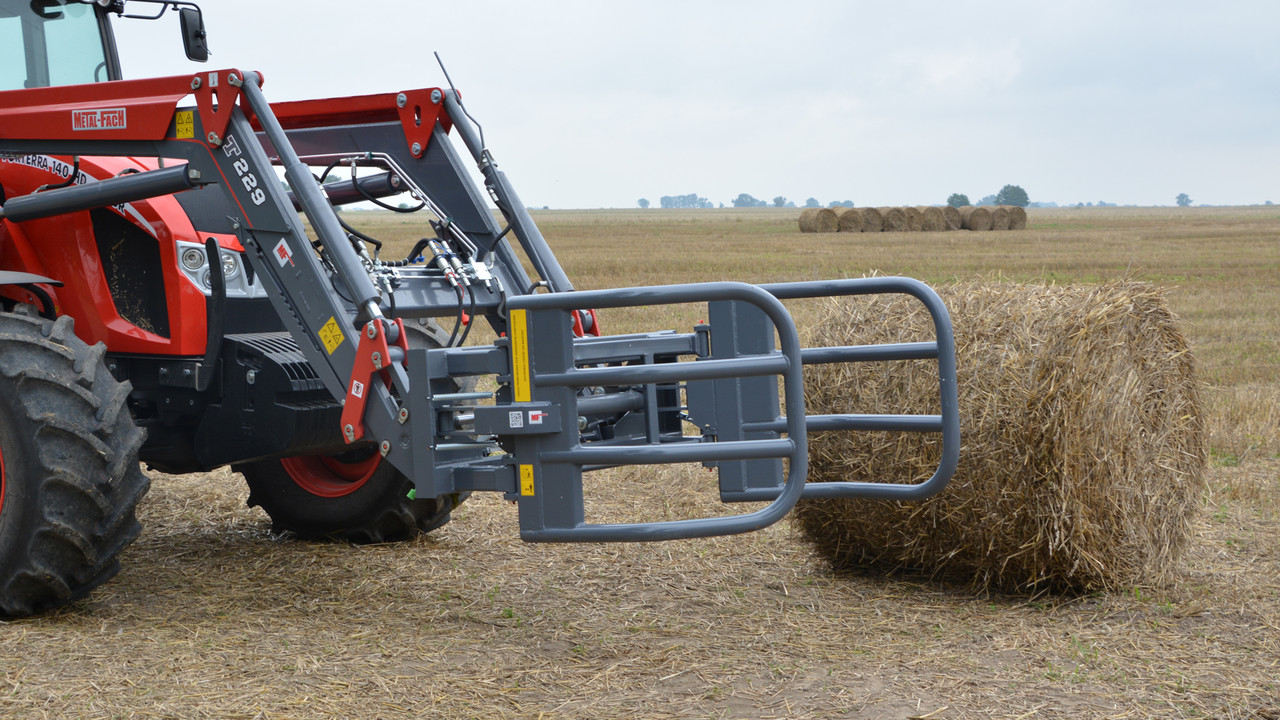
(42, 9)
(194, 40)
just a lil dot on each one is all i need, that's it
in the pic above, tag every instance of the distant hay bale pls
(932, 219)
(1083, 439)
(999, 218)
(954, 220)
(848, 220)
(975, 218)
(871, 220)
(893, 219)
(915, 219)
(1017, 217)
(822, 220)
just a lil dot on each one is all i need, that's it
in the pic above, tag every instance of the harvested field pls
(213, 617)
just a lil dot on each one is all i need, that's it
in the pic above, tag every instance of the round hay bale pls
(954, 220)
(915, 219)
(1017, 217)
(999, 218)
(893, 219)
(818, 220)
(871, 220)
(975, 218)
(932, 219)
(1083, 438)
(848, 220)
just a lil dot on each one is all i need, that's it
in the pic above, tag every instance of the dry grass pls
(212, 617)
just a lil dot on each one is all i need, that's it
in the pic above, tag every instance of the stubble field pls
(214, 617)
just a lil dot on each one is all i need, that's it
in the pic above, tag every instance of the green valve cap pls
(413, 494)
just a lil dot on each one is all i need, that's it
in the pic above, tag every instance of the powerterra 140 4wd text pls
(163, 303)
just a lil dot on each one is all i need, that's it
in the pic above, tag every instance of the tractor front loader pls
(164, 302)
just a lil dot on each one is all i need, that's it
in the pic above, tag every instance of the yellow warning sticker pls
(526, 480)
(185, 121)
(520, 356)
(331, 335)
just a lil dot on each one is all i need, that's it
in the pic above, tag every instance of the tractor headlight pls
(192, 258)
(230, 265)
(194, 264)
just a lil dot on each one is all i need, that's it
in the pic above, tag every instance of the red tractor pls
(164, 303)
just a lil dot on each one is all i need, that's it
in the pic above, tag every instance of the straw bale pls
(975, 218)
(1017, 217)
(893, 219)
(932, 219)
(954, 220)
(915, 219)
(849, 220)
(1000, 217)
(1083, 439)
(871, 220)
(818, 220)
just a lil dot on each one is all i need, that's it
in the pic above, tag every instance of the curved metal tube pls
(797, 440)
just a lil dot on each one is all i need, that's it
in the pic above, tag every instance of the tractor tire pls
(70, 481)
(352, 495)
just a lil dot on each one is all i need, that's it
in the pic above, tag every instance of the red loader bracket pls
(372, 358)
(224, 86)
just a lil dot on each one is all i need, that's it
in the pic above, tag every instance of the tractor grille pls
(131, 262)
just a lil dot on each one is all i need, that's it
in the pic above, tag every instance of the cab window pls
(49, 42)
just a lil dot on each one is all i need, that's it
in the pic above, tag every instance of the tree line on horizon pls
(695, 201)
(1008, 195)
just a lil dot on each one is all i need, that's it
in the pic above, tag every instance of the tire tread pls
(83, 475)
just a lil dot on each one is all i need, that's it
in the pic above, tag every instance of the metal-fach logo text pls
(106, 119)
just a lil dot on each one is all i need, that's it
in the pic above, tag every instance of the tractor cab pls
(47, 43)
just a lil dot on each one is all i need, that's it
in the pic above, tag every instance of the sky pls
(599, 104)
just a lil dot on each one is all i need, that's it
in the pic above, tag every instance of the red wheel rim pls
(330, 477)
